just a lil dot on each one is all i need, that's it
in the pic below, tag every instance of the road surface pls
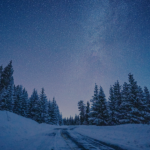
(63, 139)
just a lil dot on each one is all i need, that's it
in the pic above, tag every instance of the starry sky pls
(66, 46)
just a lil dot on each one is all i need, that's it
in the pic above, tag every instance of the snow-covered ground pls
(22, 133)
(132, 136)
(17, 133)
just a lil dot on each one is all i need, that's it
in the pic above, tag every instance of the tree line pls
(15, 99)
(128, 103)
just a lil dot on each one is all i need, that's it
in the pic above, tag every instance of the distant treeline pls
(126, 104)
(15, 99)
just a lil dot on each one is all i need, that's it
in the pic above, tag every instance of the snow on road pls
(82, 142)
(129, 136)
(19, 133)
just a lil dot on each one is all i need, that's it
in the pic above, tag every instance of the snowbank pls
(130, 136)
(15, 128)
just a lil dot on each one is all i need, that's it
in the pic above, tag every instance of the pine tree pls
(7, 75)
(1, 72)
(6, 87)
(34, 107)
(43, 107)
(134, 102)
(112, 108)
(65, 121)
(58, 114)
(18, 100)
(81, 108)
(3, 98)
(93, 112)
(49, 112)
(117, 101)
(54, 119)
(102, 112)
(87, 113)
(124, 108)
(140, 106)
(1, 89)
(9, 99)
(146, 106)
(24, 103)
(60, 119)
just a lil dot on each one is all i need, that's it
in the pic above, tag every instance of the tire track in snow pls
(77, 141)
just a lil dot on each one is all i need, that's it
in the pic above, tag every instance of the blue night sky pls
(66, 46)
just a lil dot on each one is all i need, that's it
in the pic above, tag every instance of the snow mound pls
(15, 128)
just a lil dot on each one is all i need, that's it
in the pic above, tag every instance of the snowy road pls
(64, 139)
(76, 141)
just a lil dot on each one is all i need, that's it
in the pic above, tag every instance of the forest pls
(127, 103)
(15, 99)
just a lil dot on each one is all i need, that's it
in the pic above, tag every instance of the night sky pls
(66, 46)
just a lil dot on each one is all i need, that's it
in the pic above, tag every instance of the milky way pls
(67, 46)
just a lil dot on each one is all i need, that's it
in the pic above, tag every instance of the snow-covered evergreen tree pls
(18, 100)
(81, 107)
(146, 107)
(134, 102)
(117, 101)
(76, 120)
(49, 111)
(60, 120)
(3, 98)
(112, 108)
(43, 106)
(93, 111)
(24, 103)
(34, 111)
(54, 114)
(1, 71)
(58, 115)
(87, 111)
(124, 108)
(9, 99)
(1, 88)
(140, 104)
(65, 121)
(102, 112)
(6, 87)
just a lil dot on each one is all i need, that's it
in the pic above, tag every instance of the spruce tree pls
(7, 75)
(1, 93)
(124, 117)
(60, 119)
(112, 108)
(134, 102)
(102, 112)
(43, 106)
(49, 112)
(9, 99)
(146, 107)
(1, 72)
(87, 111)
(65, 121)
(6, 87)
(58, 115)
(81, 108)
(34, 107)
(93, 111)
(117, 101)
(24, 103)
(54, 119)
(18, 97)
